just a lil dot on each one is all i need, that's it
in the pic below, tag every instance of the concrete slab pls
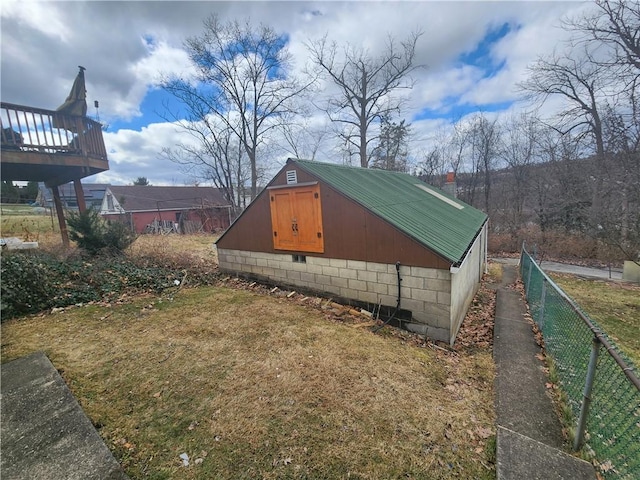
(522, 402)
(530, 440)
(520, 457)
(45, 433)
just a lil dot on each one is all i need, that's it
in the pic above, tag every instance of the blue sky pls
(475, 53)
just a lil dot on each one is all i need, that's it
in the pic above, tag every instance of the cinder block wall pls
(426, 292)
(465, 283)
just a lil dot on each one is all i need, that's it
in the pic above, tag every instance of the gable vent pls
(292, 177)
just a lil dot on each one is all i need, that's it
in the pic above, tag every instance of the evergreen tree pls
(392, 151)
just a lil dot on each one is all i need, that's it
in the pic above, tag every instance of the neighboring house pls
(348, 232)
(93, 194)
(150, 209)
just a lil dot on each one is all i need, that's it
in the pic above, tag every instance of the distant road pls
(591, 272)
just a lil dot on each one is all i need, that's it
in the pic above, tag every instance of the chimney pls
(450, 185)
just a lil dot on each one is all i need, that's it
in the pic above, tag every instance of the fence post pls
(542, 302)
(526, 290)
(586, 400)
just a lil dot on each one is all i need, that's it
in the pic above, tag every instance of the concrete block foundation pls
(426, 293)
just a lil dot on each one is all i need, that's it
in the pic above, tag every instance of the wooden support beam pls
(82, 204)
(61, 221)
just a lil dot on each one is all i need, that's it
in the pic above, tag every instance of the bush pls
(27, 284)
(33, 281)
(95, 236)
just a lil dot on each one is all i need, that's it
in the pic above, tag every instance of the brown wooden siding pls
(350, 231)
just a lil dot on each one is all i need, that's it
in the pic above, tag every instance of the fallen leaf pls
(607, 466)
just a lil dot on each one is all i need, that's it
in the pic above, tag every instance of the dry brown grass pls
(264, 387)
(252, 385)
(201, 246)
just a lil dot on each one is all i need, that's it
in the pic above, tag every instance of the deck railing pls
(31, 129)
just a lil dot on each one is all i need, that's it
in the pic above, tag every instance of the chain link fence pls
(601, 385)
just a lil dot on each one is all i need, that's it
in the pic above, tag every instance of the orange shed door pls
(282, 217)
(296, 218)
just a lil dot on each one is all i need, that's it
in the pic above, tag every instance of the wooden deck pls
(46, 146)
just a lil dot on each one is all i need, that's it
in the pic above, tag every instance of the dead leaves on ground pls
(476, 331)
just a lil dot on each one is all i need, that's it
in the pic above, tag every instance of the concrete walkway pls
(529, 440)
(45, 433)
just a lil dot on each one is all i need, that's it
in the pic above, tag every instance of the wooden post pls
(82, 204)
(61, 221)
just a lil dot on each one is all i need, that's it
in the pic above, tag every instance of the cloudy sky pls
(475, 52)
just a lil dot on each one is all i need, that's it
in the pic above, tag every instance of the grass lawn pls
(14, 222)
(615, 306)
(250, 385)
(15, 209)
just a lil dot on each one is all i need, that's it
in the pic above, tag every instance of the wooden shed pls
(357, 234)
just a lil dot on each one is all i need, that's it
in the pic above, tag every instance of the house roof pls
(142, 198)
(93, 193)
(435, 219)
(91, 190)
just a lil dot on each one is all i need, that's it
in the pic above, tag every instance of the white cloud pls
(126, 46)
(45, 18)
(135, 154)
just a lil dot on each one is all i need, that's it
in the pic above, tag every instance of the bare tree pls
(216, 155)
(301, 138)
(579, 81)
(519, 150)
(616, 24)
(486, 138)
(559, 182)
(242, 80)
(432, 166)
(366, 84)
(433, 163)
(620, 227)
(597, 77)
(475, 143)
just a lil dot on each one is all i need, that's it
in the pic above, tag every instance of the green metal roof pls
(435, 219)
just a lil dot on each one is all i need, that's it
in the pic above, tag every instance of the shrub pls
(33, 281)
(27, 284)
(94, 235)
